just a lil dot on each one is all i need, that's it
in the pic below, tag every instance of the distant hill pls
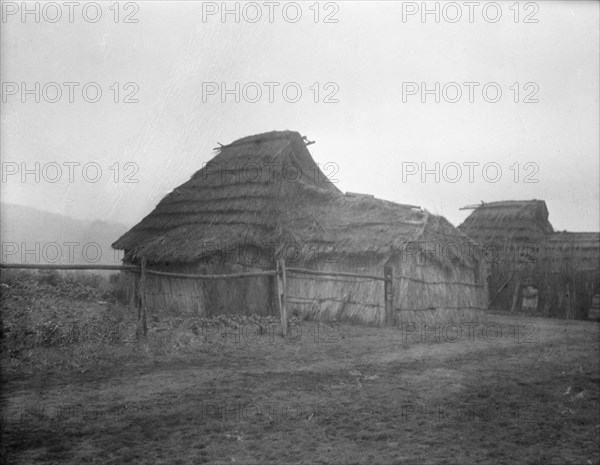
(29, 235)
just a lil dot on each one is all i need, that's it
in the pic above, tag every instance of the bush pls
(77, 285)
(50, 277)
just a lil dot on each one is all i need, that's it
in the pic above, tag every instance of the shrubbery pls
(77, 285)
(48, 312)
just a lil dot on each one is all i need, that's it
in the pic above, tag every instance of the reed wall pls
(422, 292)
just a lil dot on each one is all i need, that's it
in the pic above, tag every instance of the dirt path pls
(364, 396)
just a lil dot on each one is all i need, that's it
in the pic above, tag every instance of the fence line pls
(138, 269)
(422, 281)
(141, 292)
(29, 266)
(302, 277)
(335, 273)
(300, 300)
(463, 307)
(208, 277)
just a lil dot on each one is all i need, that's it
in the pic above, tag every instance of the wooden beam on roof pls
(306, 141)
(357, 194)
(473, 207)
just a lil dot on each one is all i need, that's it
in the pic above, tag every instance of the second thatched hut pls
(532, 267)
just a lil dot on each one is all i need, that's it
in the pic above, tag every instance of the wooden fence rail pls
(209, 277)
(137, 269)
(29, 266)
(335, 273)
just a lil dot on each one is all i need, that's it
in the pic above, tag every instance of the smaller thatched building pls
(263, 198)
(438, 273)
(532, 268)
(570, 267)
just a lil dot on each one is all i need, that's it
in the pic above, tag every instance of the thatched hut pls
(532, 268)
(262, 198)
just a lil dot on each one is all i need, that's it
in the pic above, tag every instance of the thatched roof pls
(508, 221)
(229, 204)
(235, 198)
(517, 222)
(577, 250)
(357, 223)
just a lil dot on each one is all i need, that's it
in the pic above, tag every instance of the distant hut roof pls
(229, 203)
(577, 250)
(578, 239)
(510, 220)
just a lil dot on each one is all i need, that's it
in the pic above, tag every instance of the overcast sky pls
(374, 125)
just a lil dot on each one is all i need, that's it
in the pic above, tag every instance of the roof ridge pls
(257, 138)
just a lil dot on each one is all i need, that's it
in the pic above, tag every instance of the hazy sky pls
(375, 132)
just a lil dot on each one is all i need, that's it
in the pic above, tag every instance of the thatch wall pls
(329, 298)
(430, 284)
(175, 296)
(510, 264)
(433, 293)
(425, 290)
(569, 272)
(422, 293)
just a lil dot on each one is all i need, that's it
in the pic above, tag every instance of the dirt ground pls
(505, 391)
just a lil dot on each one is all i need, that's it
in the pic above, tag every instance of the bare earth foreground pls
(328, 394)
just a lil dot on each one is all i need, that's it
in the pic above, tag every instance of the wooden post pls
(281, 288)
(510, 276)
(388, 290)
(135, 291)
(142, 320)
(516, 295)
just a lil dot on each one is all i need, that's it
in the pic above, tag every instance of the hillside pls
(30, 235)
